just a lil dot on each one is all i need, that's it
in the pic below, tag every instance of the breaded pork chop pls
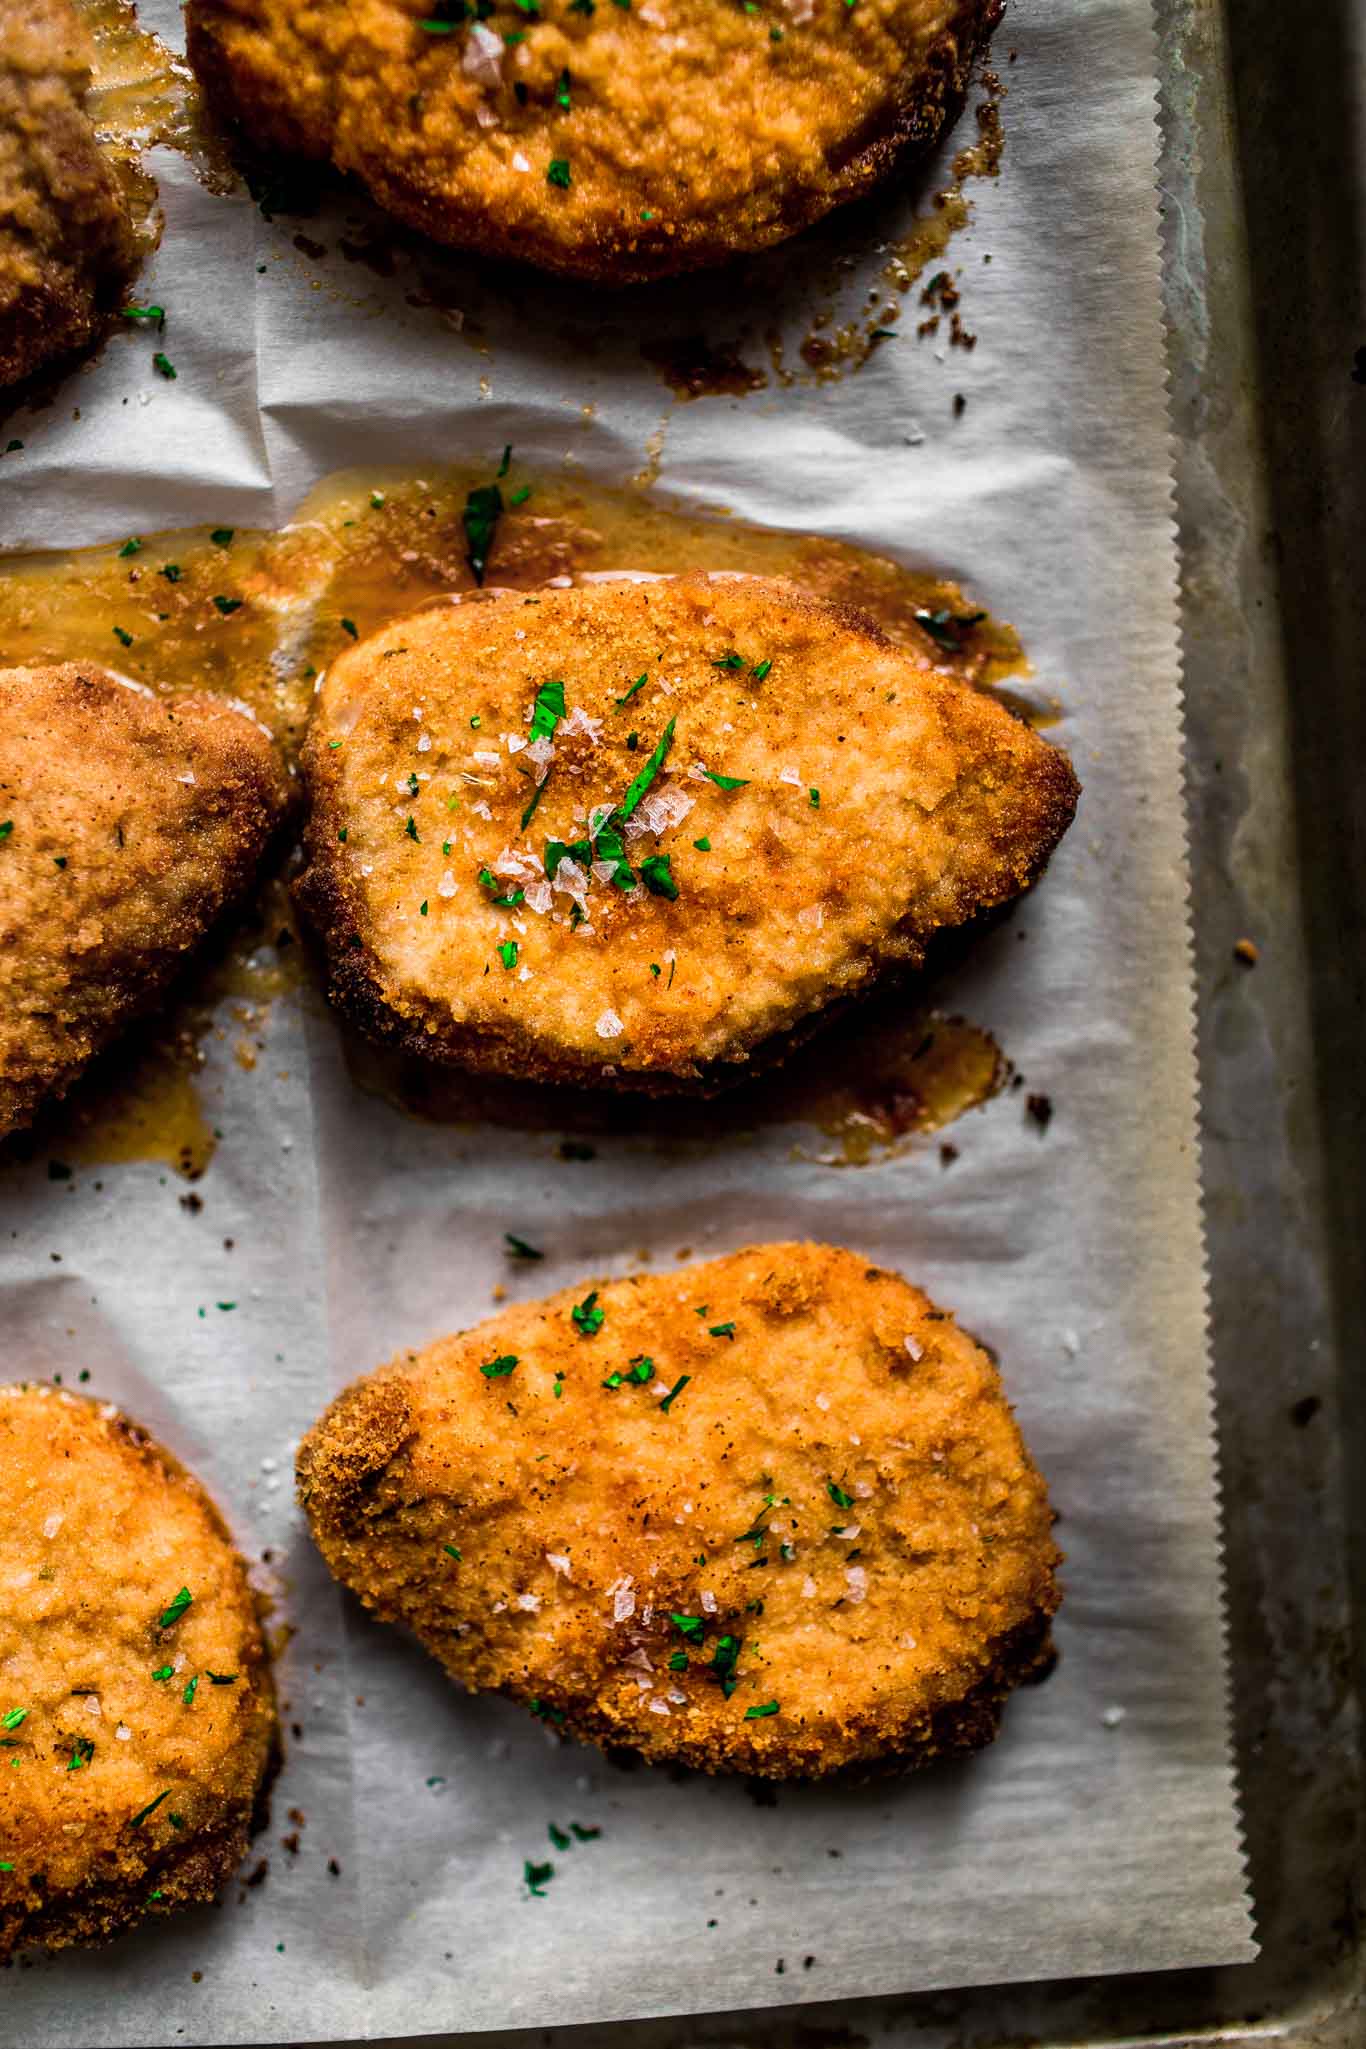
(136, 1702)
(771, 1514)
(128, 823)
(639, 832)
(611, 142)
(67, 246)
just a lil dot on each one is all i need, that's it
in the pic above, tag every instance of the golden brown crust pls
(836, 1502)
(133, 822)
(100, 1529)
(67, 246)
(934, 805)
(664, 178)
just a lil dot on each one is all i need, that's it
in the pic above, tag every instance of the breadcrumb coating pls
(67, 246)
(613, 142)
(137, 1712)
(771, 1514)
(128, 824)
(496, 888)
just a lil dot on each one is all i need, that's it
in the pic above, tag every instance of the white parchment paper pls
(1100, 1833)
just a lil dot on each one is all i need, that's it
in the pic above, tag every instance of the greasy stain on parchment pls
(256, 615)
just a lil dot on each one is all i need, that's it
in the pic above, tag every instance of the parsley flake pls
(453, 1551)
(499, 1368)
(191, 1688)
(483, 509)
(651, 769)
(689, 1626)
(639, 684)
(674, 1391)
(537, 1878)
(760, 1709)
(222, 536)
(548, 709)
(13, 1718)
(164, 364)
(558, 173)
(173, 1613)
(586, 1316)
(721, 1330)
(150, 1808)
(838, 1495)
(657, 876)
(227, 605)
(726, 782)
(131, 545)
(517, 1248)
(507, 954)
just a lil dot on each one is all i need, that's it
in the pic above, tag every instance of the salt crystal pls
(808, 1588)
(857, 1581)
(123, 1733)
(1111, 1717)
(530, 1602)
(623, 1599)
(53, 1524)
(424, 743)
(519, 162)
(916, 1351)
(446, 886)
(558, 1562)
(609, 1025)
(483, 58)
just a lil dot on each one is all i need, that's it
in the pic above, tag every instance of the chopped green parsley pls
(726, 782)
(176, 1609)
(657, 876)
(586, 1316)
(518, 1248)
(499, 1368)
(763, 1707)
(227, 605)
(164, 364)
(558, 173)
(483, 509)
(838, 1495)
(651, 769)
(674, 1391)
(507, 954)
(721, 1330)
(548, 709)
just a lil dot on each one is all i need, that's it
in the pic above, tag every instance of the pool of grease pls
(256, 614)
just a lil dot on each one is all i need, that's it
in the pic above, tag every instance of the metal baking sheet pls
(822, 457)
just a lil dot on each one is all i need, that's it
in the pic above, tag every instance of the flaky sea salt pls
(609, 1025)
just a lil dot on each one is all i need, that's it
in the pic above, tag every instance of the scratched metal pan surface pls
(1264, 181)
